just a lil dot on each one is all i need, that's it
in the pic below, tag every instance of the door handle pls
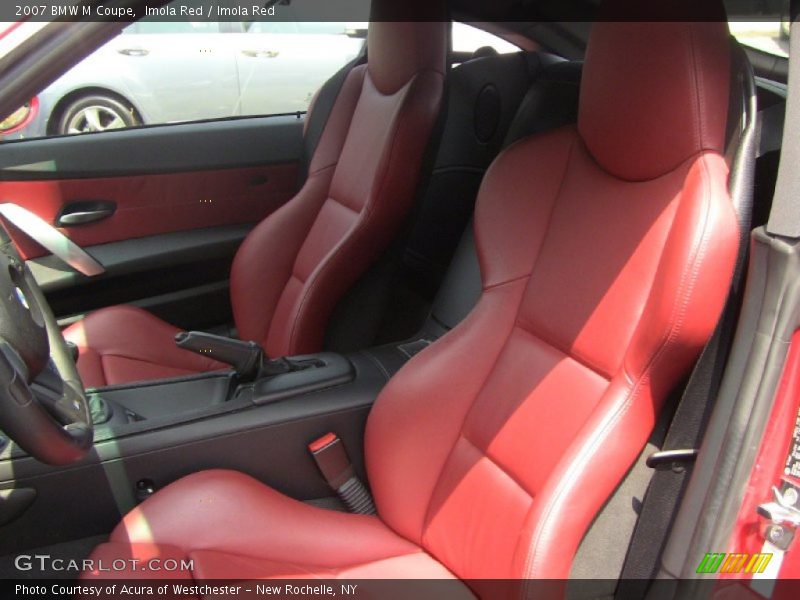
(134, 51)
(81, 212)
(261, 53)
(51, 239)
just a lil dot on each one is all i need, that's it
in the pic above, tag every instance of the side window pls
(148, 26)
(467, 38)
(763, 24)
(159, 72)
(325, 28)
(282, 64)
(260, 27)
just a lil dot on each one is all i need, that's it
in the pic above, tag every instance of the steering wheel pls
(54, 423)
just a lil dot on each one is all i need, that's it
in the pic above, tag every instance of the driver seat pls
(294, 266)
(606, 252)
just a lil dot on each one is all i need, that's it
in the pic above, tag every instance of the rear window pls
(467, 38)
(768, 36)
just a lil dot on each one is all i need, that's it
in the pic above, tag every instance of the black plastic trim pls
(196, 146)
(144, 254)
(325, 370)
(216, 420)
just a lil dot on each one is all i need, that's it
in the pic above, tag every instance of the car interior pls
(433, 328)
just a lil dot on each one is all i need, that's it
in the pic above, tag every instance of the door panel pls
(183, 198)
(181, 277)
(143, 255)
(154, 204)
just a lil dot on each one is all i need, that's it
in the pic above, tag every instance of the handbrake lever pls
(246, 358)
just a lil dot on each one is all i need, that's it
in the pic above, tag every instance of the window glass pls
(761, 24)
(170, 72)
(467, 38)
(149, 26)
(767, 36)
(323, 28)
(270, 27)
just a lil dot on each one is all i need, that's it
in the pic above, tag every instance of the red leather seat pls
(606, 252)
(295, 265)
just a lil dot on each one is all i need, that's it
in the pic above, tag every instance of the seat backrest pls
(606, 251)
(491, 98)
(295, 265)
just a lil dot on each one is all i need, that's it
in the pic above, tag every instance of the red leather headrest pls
(396, 51)
(654, 94)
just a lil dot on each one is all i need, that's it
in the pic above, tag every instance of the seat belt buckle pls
(332, 460)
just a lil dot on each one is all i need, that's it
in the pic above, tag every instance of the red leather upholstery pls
(492, 450)
(619, 129)
(290, 272)
(258, 533)
(126, 343)
(563, 365)
(295, 265)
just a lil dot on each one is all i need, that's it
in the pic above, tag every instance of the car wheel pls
(96, 113)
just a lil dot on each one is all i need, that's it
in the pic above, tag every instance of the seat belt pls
(673, 464)
(321, 111)
(400, 251)
(337, 470)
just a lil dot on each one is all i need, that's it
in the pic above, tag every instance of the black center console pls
(257, 418)
(155, 432)
(126, 409)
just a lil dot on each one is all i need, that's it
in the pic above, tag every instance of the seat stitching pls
(685, 288)
(343, 205)
(697, 81)
(359, 70)
(531, 330)
(308, 568)
(485, 453)
(426, 518)
(506, 282)
(359, 225)
(550, 213)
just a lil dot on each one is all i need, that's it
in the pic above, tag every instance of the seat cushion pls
(122, 344)
(250, 531)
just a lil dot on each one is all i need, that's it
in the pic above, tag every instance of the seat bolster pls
(121, 344)
(252, 520)
(683, 307)
(583, 479)
(211, 565)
